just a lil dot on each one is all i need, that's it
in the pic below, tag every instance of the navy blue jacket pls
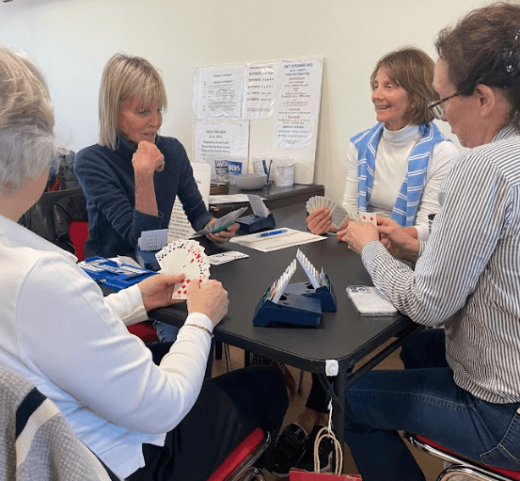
(107, 179)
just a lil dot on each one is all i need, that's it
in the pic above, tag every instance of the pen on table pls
(272, 232)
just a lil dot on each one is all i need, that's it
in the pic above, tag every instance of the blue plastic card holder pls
(324, 293)
(252, 223)
(291, 309)
(114, 275)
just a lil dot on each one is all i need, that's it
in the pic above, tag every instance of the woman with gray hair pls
(61, 334)
(133, 175)
(461, 385)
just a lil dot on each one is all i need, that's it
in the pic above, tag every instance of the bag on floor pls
(300, 475)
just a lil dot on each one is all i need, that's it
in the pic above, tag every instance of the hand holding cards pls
(184, 257)
(338, 213)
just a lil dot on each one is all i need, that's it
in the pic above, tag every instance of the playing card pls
(184, 257)
(368, 217)
(224, 257)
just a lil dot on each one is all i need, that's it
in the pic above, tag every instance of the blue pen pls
(269, 170)
(273, 232)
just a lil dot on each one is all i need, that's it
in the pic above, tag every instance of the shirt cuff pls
(200, 319)
(423, 232)
(137, 312)
(370, 252)
(422, 247)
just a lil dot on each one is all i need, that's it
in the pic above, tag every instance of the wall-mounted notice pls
(280, 99)
(261, 88)
(219, 92)
(218, 141)
(298, 105)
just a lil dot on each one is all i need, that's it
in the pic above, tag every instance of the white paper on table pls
(272, 243)
(179, 226)
(258, 206)
(227, 199)
(153, 240)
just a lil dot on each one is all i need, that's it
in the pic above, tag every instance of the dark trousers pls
(227, 410)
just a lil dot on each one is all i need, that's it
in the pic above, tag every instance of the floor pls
(430, 466)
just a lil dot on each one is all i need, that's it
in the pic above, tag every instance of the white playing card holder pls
(299, 304)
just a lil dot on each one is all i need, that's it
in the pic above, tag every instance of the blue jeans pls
(426, 401)
(166, 332)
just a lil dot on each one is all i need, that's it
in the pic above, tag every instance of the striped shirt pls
(469, 274)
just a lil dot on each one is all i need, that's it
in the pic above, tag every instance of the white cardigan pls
(60, 333)
(392, 155)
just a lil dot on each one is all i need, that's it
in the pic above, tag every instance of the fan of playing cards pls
(184, 257)
(339, 214)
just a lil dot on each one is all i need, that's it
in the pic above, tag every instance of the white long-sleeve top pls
(393, 152)
(59, 332)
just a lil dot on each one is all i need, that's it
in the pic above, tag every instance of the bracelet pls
(200, 327)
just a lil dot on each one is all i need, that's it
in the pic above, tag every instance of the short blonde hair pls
(27, 145)
(124, 76)
(411, 69)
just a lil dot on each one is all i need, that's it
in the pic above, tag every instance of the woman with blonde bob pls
(144, 421)
(397, 166)
(133, 175)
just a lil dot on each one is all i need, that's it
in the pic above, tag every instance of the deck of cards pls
(339, 214)
(184, 257)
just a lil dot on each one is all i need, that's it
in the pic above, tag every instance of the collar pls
(401, 137)
(505, 132)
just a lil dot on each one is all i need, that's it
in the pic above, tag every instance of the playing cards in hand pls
(221, 223)
(184, 257)
(339, 214)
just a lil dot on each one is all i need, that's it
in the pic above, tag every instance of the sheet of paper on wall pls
(179, 226)
(153, 240)
(221, 223)
(267, 243)
(223, 145)
(258, 206)
(218, 92)
(297, 108)
(261, 88)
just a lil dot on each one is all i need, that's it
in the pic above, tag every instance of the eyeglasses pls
(436, 107)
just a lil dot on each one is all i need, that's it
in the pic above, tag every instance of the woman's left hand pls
(358, 235)
(157, 291)
(223, 235)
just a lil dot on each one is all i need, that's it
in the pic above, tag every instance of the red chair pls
(461, 468)
(78, 232)
(238, 466)
(144, 330)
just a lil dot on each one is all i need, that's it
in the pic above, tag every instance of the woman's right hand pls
(319, 221)
(147, 159)
(210, 299)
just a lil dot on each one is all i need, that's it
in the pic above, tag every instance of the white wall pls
(72, 39)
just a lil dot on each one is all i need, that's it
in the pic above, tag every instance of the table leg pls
(338, 412)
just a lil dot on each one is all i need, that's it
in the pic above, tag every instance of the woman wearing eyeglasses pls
(397, 166)
(461, 385)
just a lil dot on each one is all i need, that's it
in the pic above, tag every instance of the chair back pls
(238, 465)
(460, 467)
(36, 443)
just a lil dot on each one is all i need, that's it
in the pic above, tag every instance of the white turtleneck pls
(391, 165)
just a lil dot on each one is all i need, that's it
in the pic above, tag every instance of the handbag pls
(300, 475)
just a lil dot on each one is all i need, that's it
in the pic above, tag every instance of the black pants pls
(227, 410)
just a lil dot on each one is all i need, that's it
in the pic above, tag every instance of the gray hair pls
(27, 145)
(124, 76)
